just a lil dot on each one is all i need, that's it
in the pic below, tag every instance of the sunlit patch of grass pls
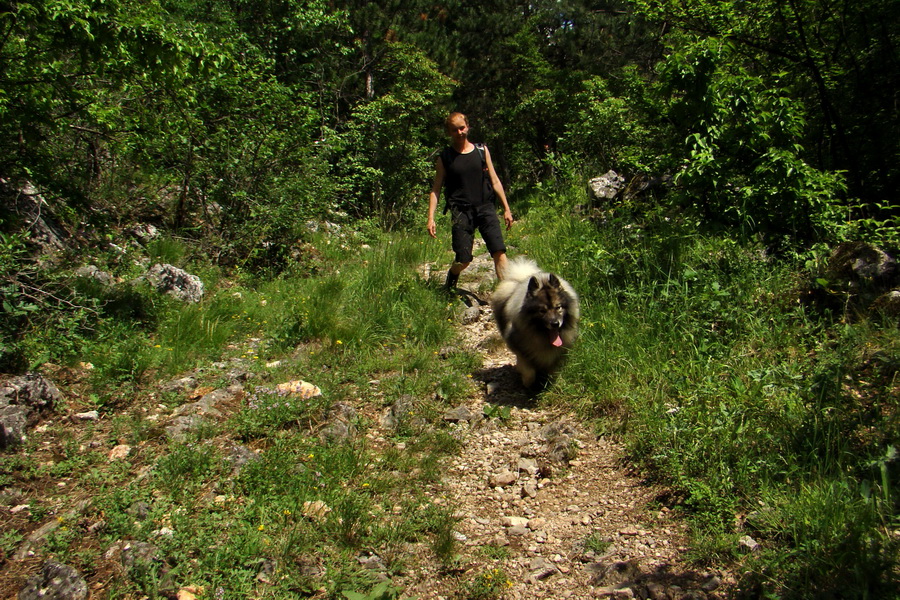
(694, 348)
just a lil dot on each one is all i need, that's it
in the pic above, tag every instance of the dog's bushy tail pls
(520, 269)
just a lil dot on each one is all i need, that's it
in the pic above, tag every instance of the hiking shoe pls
(452, 278)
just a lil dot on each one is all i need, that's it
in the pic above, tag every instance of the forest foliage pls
(232, 120)
(230, 124)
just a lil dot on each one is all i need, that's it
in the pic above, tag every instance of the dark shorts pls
(465, 221)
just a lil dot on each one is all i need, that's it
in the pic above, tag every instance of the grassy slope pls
(773, 417)
(768, 418)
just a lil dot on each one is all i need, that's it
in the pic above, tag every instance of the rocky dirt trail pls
(542, 503)
(558, 507)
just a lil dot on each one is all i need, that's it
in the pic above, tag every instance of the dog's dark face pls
(546, 306)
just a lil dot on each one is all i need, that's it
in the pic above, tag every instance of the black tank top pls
(463, 178)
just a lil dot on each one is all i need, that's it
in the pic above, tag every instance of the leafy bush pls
(695, 348)
(743, 164)
(610, 132)
(387, 147)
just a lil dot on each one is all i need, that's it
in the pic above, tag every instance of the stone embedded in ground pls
(471, 315)
(28, 204)
(239, 456)
(175, 282)
(503, 478)
(854, 261)
(614, 574)
(399, 412)
(528, 465)
(561, 449)
(55, 581)
(340, 424)
(182, 425)
(514, 521)
(656, 591)
(39, 536)
(747, 545)
(266, 573)
(119, 452)
(713, 582)
(607, 186)
(460, 413)
(209, 404)
(304, 389)
(182, 384)
(541, 569)
(13, 425)
(144, 561)
(337, 431)
(139, 555)
(139, 510)
(888, 303)
(22, 400)
(191, 592)
(371, 562)
(93, 273)
(145, 233)
(11, 496)
(617, 593)
(315, 510)
(310, 566)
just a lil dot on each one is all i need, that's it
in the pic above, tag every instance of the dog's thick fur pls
(537, 314)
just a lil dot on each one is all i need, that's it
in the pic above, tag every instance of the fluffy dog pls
(537, 314)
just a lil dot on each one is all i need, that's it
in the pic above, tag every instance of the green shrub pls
(696, 349)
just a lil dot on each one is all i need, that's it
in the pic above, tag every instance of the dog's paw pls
(527, 374)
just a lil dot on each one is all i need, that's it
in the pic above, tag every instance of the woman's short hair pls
(448, 122)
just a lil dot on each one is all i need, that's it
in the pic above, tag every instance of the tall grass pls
(366, 329)
(698, 351)
(766, 417)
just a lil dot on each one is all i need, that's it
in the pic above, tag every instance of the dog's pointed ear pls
(554, 281)
(533, 285)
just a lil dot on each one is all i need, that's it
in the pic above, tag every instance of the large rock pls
(888, 303)
(607, 186)
(93, 273)
(862, 263)
(32, 390)
(175, 282)
(55, 581)
(22, 399)
(24, 200)
(13, 425)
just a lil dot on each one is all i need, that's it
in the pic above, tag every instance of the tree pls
(388, 144)
(837, 59)
(64, 66)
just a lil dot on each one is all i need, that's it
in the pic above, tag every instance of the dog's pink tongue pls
(557, 341)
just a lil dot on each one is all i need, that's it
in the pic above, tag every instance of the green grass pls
(724, 385)
(372, 318)
(767, 416)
